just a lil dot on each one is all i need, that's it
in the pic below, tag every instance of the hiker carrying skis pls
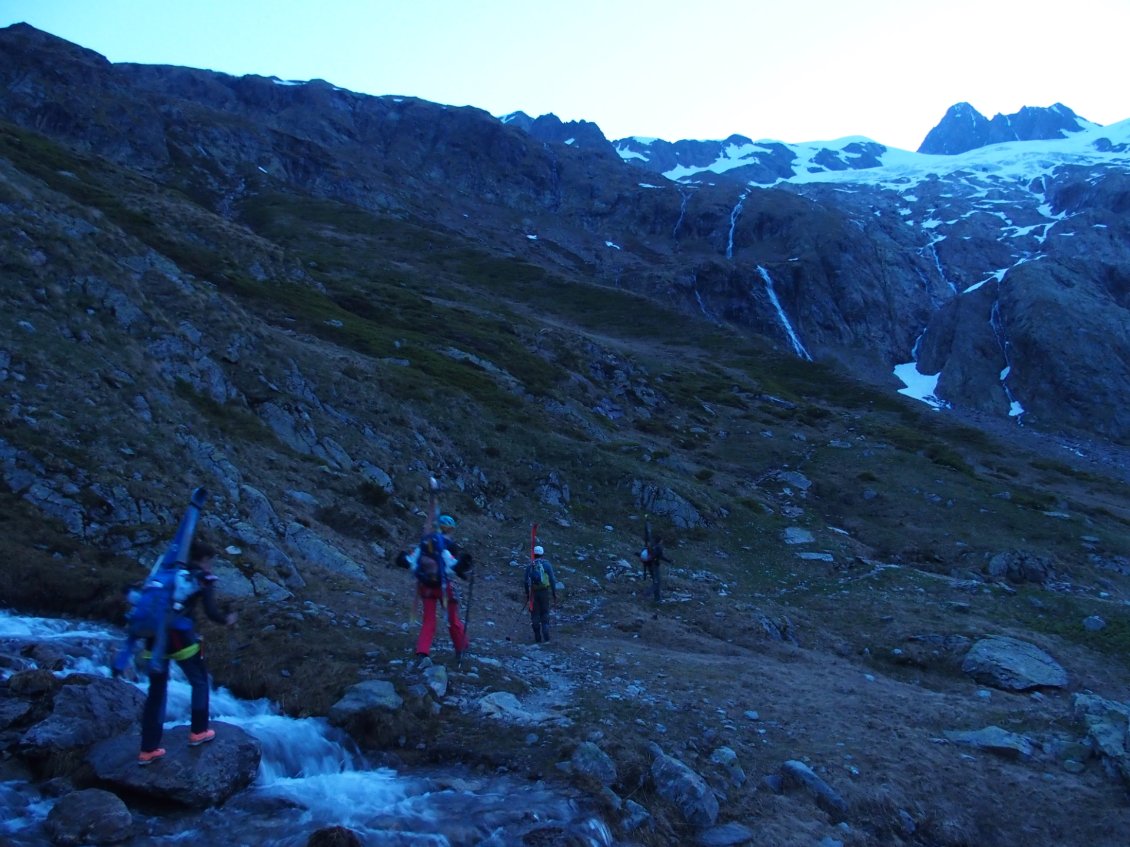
(652, 557)
(432, 562)
(183, 645)
(541, 591)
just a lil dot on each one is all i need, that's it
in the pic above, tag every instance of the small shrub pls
(947, 457)
(372, 494)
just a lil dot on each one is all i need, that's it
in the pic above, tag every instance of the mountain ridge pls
(961, 130)
(706, 247)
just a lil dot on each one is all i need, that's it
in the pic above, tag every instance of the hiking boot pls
(148, 757)
(195, 739)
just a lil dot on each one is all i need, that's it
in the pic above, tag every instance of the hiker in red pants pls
(435, 558)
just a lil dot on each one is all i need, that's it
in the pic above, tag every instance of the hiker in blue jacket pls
(184, 646)
(541, 592)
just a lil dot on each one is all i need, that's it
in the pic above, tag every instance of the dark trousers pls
(653, 571)
(539, 614)
(153, 713)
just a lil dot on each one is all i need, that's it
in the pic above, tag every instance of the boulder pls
(796, 774)
(1018, 566)
(435, 677)
(375, 714)
(727, 760)
(196, 777)
(676, 783)
(85, 710)
(373, 694)
(995, 740)
(91, 816)
(1012, 665)
(590, 761)
(506, 707)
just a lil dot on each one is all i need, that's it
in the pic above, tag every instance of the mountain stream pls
(311, 776)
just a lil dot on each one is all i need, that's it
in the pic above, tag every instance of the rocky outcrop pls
(1108, 731)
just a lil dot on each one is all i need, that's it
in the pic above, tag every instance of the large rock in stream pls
(196, 777)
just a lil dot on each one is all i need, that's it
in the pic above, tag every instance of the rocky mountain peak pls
(582, 135)
(963, 128)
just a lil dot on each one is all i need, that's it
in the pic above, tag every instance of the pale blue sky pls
(805, 70)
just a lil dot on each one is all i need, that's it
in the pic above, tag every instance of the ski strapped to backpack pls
(163, 593)
(432, 561)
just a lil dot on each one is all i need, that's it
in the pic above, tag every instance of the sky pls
(806, 70)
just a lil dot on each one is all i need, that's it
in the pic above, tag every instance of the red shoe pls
(195, 739)
(148, 757)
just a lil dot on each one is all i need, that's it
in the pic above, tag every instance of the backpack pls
(539, 576)
(160, 597)
(431, 569)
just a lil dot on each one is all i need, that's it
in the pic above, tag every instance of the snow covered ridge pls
(856, 159)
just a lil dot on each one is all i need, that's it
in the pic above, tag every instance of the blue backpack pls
(431, 569)
(156, 603)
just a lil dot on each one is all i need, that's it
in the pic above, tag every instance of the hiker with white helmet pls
(541, 593)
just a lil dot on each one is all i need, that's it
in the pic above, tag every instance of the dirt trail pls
(636, 674)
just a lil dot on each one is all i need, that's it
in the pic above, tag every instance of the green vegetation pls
(235, 422)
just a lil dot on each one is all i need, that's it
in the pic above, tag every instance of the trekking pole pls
(467, 617)
(513, 623)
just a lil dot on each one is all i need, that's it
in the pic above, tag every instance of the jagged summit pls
(964, 128)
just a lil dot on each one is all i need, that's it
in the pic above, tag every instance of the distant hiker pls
(651, 556)
(541, 592)
(183, 645)
(432, 562)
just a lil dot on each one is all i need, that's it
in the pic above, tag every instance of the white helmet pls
(538, 551)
